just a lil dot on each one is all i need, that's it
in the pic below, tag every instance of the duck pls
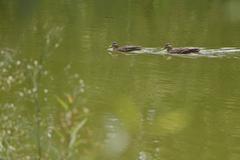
(127, 48)
(172, 50)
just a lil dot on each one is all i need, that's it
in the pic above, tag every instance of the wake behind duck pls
(169, 50)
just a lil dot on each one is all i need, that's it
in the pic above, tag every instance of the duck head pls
(115, 45)
(168, 46)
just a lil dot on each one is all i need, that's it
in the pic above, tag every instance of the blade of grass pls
(63, 104)
(75, 132)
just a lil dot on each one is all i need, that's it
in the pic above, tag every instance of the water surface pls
(63, 96)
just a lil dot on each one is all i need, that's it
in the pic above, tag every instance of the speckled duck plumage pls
(180, 50)
(127, 48)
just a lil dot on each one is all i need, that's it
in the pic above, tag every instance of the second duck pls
(172, 50)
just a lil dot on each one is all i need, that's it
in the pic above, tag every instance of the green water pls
(63, 96)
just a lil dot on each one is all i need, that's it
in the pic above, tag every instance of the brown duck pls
(180, 50)
(127, 48)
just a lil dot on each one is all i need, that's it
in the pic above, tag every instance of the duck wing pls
(190, 50)
(184, 50)
(129, 48)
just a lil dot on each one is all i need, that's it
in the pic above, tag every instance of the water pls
(63, 96)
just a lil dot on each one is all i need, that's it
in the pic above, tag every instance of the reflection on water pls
(117, 138)
(63, 97)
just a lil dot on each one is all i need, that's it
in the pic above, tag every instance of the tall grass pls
(51, 41)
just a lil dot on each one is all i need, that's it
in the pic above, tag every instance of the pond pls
(63, 96)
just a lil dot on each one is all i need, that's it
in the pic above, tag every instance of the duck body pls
(184, 50)
(127, 48)
(180, 50)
